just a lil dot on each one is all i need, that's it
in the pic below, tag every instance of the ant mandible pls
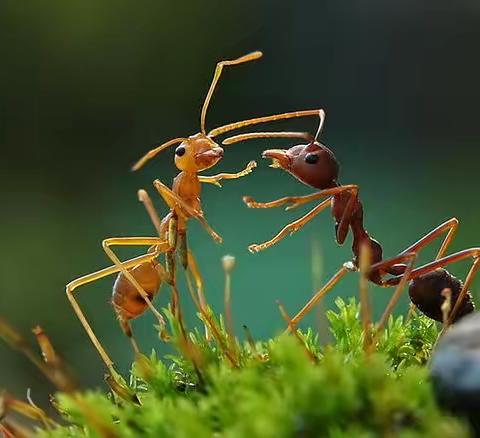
(315, 165)
(139, 279)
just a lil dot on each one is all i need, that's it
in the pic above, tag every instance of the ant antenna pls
(216, 77)
(321, 115)
(282, 134)
(153, 152)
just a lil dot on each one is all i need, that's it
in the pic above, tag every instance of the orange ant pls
(139, 279)
(315, 165)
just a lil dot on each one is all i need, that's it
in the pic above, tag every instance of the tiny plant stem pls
(228, 264)
(396, 295)
(13, 338)
(48, 352)
(11, 429)
(55, 364)
(194, 271)
(211, 325)
(447, 304)
(294, 331)
(250, 339)
(228, 303)
(366, 313)
(411, 311)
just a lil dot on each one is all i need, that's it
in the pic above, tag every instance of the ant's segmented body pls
(315, 165)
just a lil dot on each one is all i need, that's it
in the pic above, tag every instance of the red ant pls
(315, 165)
(139, 279)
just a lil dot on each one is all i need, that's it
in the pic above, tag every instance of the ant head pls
(312, 164)
(197, 152)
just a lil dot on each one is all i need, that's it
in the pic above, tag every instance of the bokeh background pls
(86, 87)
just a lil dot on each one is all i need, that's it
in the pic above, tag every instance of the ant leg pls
(296, 201)
(299, 223)
(318, 296)
(161, 246)
(292, 227)
(397, 293)
(166, 229)
(343, 225)
(444, 261)
(145, 199)
(195, 271)
(174, 201)
(215, 179)
(127, 330)
(281, 134)
(468, 281)
(290, 115)
(216, 77)
(73, 285)
(449, 226)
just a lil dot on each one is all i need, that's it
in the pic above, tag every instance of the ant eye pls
(311, 158)
(180, 151)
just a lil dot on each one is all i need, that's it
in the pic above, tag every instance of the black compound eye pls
(180, 151)
(311, 158)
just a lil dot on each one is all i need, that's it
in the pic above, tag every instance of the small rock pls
(455, 370)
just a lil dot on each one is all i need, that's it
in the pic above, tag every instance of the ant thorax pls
(188, 187)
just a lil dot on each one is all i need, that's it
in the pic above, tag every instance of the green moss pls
(279, 388)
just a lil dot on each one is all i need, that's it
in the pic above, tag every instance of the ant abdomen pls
(426, 293)
(126, 299)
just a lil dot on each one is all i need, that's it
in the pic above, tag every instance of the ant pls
(140, 278)
(315, 165)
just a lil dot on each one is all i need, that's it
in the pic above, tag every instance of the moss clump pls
(285, 387)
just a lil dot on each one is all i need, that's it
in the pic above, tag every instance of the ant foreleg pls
(215, 179)
(291, 227)
(175, 202)
(299, 223)
(296, 201)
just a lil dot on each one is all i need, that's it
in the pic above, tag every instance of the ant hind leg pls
(90, 278)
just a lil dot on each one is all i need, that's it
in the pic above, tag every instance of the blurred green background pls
(86, 87)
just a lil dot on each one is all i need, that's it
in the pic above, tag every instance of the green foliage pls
(286, 387)
(404, 343)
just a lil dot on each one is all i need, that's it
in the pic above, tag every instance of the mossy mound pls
(289, 386)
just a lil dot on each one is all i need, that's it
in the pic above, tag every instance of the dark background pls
(86, 87)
